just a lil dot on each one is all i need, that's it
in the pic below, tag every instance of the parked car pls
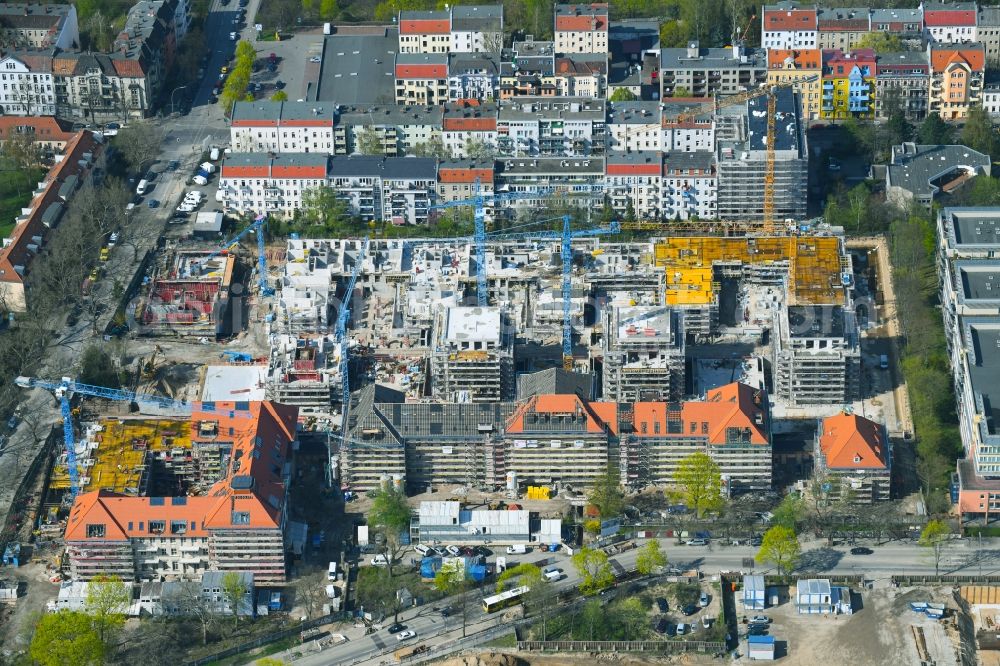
(703, 599)
(697, 542)
(315, 59)
(662, 604)
(280, 85)
(406, 635)
(232, 36)
(661, 626)
(683, 628)
(861, 550)
(173, 165)
(757, 630)
(760, 619)
(454, 551)
(690, 609)
(153, 203)
(396, 628)
(482, 551)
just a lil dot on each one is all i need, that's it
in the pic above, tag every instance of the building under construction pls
(188, 295)
(473, 357)
(643, 353)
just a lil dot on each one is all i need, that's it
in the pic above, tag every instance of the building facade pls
(256, 183)
(957, 73)
(700, 72)
(848, 84)
(802, 69)
(581, 28)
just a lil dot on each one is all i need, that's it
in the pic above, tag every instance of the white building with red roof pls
(581, 28)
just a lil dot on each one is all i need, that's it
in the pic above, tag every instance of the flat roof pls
(399, 168)
(643, 324)
(914, 166)
(983, 335)
(715, 58)
(513, 166)
(816, 321)
(786, 127)
(358, 69)
(391, 114)
(974, 226)
(539, 108)
(980, 279)
(225, 383)
(634, 113)
(473, 324)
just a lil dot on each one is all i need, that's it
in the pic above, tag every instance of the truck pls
(200, 178)
(407, 652)
(517, 549)
(207, 167)
(213, 154)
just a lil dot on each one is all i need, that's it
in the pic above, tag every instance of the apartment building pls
(741, 162)
(528, 69)
(803, 68)
(238, 525)
(396, 129)
(463, 179)
(102, 88)
(581, 28)
(951, 22)
(643, 354)
(969, 242)
(731, 424)
(633, 183)
(255, 183)
(697, 130)
(390, 189)
(788, 26)
(853, 459)
(905, 22)
(459, 29)
(27, 86)
(473, 76)
(988, 34)
(634, 127)
(701, 72)
(559, 440)
(902, 81)
(40, 215)
(581, 75)
(848, 84)
(421, 78)
(49, 134)
(577, 175)
(29, 26)
(816, 354)
(467, 125)
(283, 127)
(690, 186)
(424, 31)
(918, 173)
(566, 126)
(473, 357)
(957, 73)
(842, 29)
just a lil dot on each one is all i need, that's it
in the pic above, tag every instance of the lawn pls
(16, 187)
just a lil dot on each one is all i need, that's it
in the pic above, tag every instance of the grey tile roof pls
(395, 168)
(554, 380)
(633, 113)
(480, 18)
(515, 166)
(634, 158)
(699, 159)
(914, 166)
(460, 63)
(677, 58)
(536, 108)
(390, 114)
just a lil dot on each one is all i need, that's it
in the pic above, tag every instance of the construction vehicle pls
(149, 368)
(237, 357)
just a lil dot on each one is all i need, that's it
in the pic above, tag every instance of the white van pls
(380, 561)
(141, 188)
(214, 154)
(199, 180)
(422, 549)
(517, 549)
(552, 574)
(331, 571)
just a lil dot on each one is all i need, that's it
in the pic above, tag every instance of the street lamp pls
(172, 97)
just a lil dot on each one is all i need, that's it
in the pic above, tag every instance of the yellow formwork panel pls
(815, 264)
(118, 462)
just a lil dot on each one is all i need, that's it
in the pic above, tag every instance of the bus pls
(509, 598)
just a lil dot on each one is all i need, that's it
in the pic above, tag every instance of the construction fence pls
(662, 647)
(271, 638)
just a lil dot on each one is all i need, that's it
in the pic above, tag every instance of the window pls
(241, 518)
(96, 531)
(157, 526)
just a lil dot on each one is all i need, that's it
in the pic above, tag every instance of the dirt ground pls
(879, 634)
(17, 622)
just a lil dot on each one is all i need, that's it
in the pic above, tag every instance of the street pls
(898, 558)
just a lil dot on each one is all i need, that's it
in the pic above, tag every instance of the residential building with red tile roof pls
(458, 29)
(44, 213)
(237, 525)
(798, 66)
(731, 424)
(950, 22)
(957, 73)
(788, 25)
(842, 28)
(48, 133)
(469, 123)
(581, 28)
(265, 126)
(273, 183)
(27, 88)
(421, 78)
(853, 456)
(459, 179)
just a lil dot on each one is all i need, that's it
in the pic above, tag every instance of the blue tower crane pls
(340, 332)
(257, 225)
(478, 203)
(64, 388)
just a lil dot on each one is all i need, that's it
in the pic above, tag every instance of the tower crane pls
(63, 390)
(340, 334)
(768, 227)
(256, 226)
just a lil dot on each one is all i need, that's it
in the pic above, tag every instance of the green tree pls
(978, 132)
(982, 191)
(97, 368)
(433, 147)
(630, 615)
(881, 42)
(673, 34)
(606, 494)
(650, 558)
(391, 514)
(107, 602)
(863, 133)
(700, 480)
(933, 537)
(790, 512)
(245, 52)
(328, 9)
(682, 91)
(476, 149)
(323, 209)
(66, 637)
(594, 570)
(780, 547)
(451, 580)
(280, 96)
(367, 142)
(622, 95)
(525, 573)
(234, 591)
(138, 144)
(934, 131)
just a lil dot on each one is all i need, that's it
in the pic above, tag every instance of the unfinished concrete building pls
(304, 371)
(643, 354)
(473, 357)
(817, 354)
(188, 295)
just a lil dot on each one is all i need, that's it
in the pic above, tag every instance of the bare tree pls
(186, 600)
(22, 149)
(139, 144)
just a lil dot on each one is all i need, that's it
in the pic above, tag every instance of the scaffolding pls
(813, 264)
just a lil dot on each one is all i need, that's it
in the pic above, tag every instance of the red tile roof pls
(652, 169)
(46, 128)
(790, 19)
(802, 58)
(452, 175)
(598, 417)
(585, 23)
(469, 124)
(425, 27)
(849, 441)
(941, 18)
(421, 71)
(298, 171)
(943, 58)
(734, 405)
(243, 171)
(130, 67)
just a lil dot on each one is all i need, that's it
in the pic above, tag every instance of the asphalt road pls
(960, 556)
